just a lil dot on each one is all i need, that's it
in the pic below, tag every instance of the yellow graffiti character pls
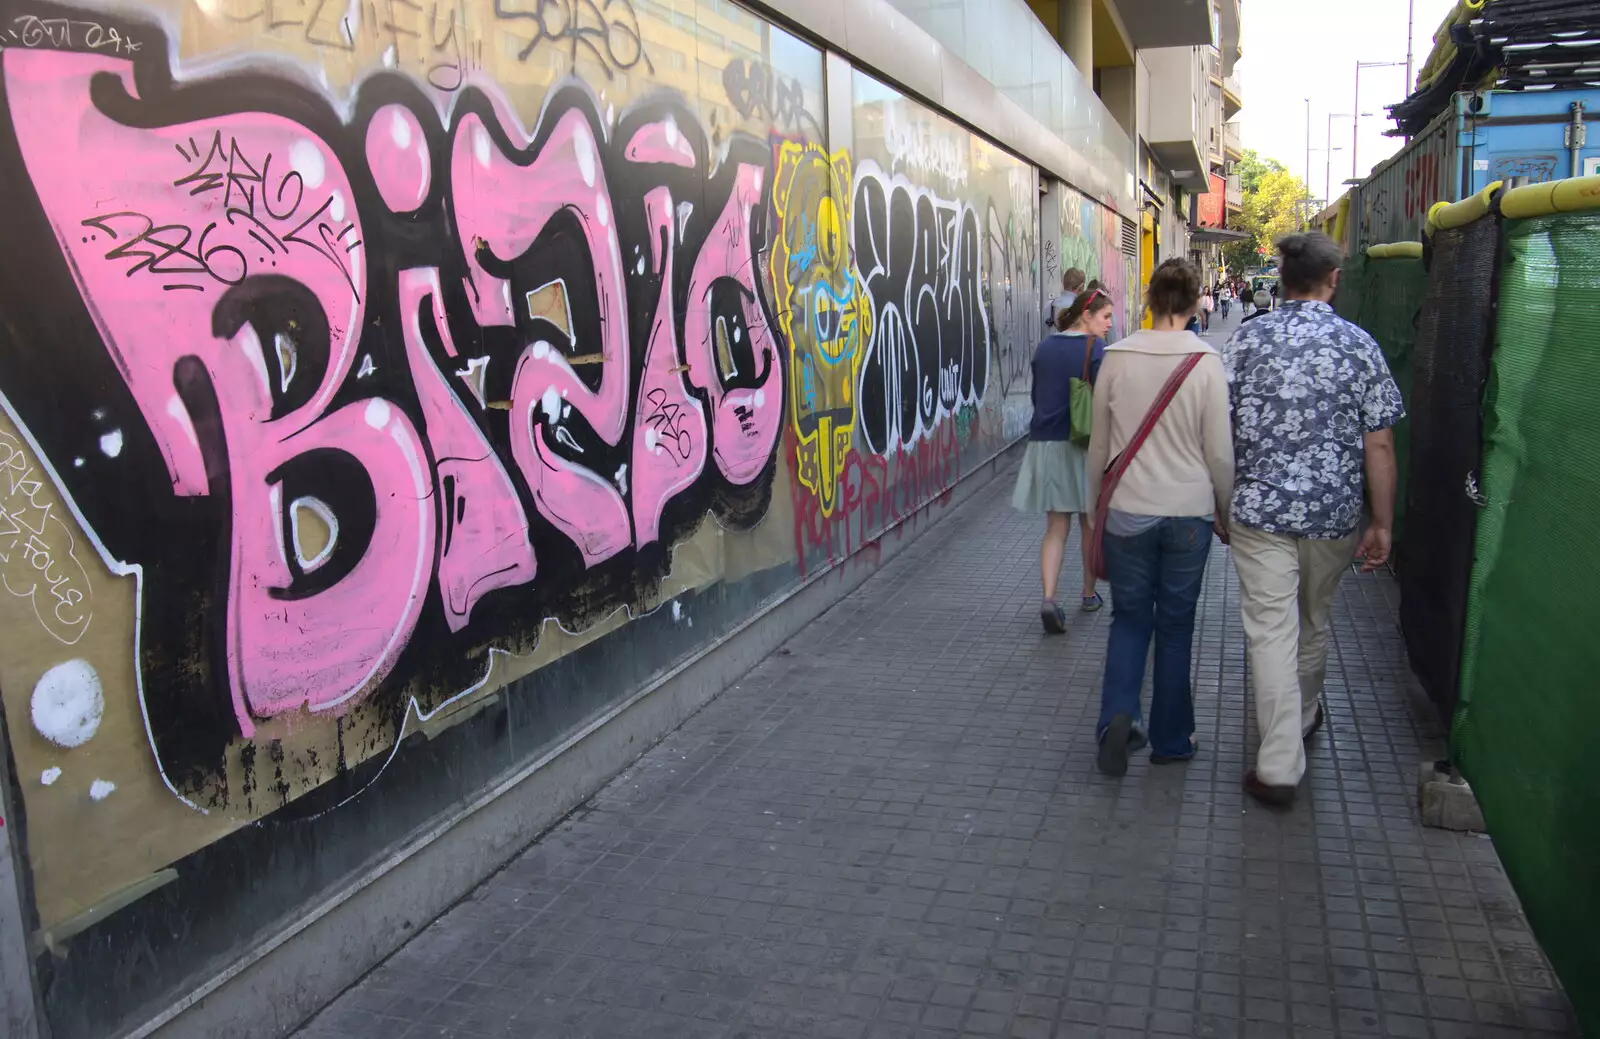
(822, 309)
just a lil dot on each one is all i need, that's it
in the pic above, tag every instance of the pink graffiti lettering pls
(286, 652)
(373, 437)
(159, 222)
(732, 356)
(671, 452)
(485, 532)
(163, 241)
(397, 154)
(661, 142)
(502, 208)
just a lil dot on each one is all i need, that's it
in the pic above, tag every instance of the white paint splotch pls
(68, 703)
(101, 789)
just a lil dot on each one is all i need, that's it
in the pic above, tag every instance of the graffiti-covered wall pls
(946, 235)
(1091, 238)
(389, 390)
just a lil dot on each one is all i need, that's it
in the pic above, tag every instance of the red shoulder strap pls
(1095, 560)
(1158, 407)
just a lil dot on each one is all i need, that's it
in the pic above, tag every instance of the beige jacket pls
(1186, 466)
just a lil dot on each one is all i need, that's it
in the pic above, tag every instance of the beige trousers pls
(1286, 595)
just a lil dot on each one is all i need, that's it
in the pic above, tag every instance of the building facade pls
(1166, 73)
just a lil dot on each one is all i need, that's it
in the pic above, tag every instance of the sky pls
(1299, 49)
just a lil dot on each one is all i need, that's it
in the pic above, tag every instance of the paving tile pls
(894, 828)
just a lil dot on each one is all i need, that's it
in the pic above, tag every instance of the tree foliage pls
(1253, 167)
(1273, 207)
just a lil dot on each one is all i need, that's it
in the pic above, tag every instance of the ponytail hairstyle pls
(1091, 302)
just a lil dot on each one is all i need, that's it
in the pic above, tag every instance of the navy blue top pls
(1058, 360)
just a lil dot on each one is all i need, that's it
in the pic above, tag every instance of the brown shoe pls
(1271, 796)
(1316, 723)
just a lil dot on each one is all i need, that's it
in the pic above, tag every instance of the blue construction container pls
(1484, 137)
(1528, 134)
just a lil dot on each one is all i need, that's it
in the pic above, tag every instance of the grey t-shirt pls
(1128, 524)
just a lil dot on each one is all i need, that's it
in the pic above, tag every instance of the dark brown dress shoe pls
(1316, 723)
(1271, 796)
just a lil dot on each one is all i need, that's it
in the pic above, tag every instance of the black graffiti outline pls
(663, 418)
(757, 91)
(570, 29)
(922, 261)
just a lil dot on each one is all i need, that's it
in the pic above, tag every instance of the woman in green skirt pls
(1054, 478)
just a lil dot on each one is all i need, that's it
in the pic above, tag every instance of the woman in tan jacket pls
(1157, 528)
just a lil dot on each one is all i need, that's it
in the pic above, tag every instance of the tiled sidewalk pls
(894, 828)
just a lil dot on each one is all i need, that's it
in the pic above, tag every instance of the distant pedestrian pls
(1225, 298)
(1208, 304)
(1313, 410)
(1160, 476)
(1054, 479)
(1263, 304)
(1071, 285)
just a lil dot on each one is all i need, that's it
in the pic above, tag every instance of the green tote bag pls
(1082, 400)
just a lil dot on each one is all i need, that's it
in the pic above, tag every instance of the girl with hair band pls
(1054, 479)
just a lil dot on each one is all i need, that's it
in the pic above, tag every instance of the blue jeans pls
(1155, 583)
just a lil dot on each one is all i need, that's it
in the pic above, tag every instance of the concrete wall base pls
(291, 975)
(1447, 801)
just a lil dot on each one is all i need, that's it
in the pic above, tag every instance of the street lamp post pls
(1411, 35)
(1328, 173)
(1305, 221)
(1355, 133)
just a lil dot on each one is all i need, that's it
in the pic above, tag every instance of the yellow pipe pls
(1341, 223)
(1576, 195)
(1446, 215)
(1438, 65)
(1444, 49)
(1395, 251)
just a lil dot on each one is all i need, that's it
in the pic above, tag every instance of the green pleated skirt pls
(1054, 478)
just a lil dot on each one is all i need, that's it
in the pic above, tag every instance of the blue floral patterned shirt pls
(1305, 385)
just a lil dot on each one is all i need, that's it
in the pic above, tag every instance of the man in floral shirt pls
(1313, 410)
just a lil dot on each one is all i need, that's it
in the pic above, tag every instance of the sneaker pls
(1316, 723)
(1093, 603)
(1113, 757)
(1054, 618)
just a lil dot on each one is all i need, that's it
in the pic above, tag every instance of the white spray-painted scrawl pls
(68, 703)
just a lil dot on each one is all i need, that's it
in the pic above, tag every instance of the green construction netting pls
(1383, 297)
(1530, 694)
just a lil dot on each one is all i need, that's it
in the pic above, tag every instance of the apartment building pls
(1166, 72)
